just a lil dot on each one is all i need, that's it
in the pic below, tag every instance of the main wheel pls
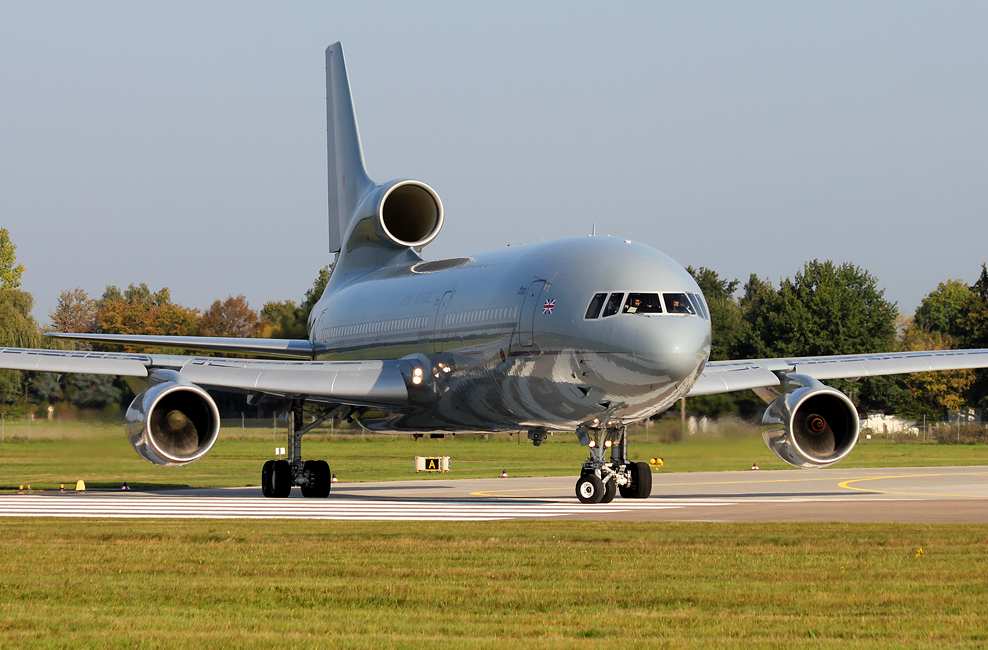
(610, 489)
(281, 479)
(267, 479)
(589, 489)
(319, 477)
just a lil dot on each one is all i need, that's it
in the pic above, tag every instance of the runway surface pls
(919, 495)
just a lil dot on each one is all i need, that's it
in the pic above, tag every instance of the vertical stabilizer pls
(348, 181)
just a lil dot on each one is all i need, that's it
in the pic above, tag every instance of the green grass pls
(558, 584)
(102, 457)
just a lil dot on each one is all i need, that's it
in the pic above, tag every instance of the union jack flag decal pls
(548, 306)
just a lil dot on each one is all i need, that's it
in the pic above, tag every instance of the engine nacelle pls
(173, 422)
(402, 214)
(811, 426)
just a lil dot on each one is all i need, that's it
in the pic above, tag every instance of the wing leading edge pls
(729, 376)
(284, 348)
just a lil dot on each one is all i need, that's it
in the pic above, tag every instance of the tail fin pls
(348, 181)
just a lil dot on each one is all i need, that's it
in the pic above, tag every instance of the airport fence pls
(666, 430)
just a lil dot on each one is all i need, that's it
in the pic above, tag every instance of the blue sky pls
(183, 144)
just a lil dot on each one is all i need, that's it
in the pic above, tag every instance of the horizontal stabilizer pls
(282, 348)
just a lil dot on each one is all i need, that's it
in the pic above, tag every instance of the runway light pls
(416, 380)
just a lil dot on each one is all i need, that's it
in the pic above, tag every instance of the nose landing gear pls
(600, 479)
(312, 476)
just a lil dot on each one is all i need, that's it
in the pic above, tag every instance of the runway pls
(912, 495)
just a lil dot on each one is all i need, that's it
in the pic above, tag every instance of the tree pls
(232, 317)
(18, 329)
(138, 310)
(944, 310)
(285, 320)
(825, 309)
(74, 312)
(10, 271)
(934, 394)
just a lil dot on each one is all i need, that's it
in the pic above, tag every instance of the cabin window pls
(613, 304)
(643, 303)
(678, 303)
(593, 311)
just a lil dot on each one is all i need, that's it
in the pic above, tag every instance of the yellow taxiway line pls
(846, 485)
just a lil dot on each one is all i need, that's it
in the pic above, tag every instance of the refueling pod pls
(812, 425)
(173, 422)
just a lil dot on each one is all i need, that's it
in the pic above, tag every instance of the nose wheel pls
(601, 479)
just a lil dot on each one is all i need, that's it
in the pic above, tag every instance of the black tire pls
(281, 484)
(589, 489)
(610, 489)
(641, 482)
(321, 479)
(643, 486)
(267, 479)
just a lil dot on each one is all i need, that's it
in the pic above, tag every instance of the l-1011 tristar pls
(587, 334)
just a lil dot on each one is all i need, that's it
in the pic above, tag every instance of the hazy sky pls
(183, 144)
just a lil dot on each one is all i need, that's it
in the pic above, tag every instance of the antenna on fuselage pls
(593, 230)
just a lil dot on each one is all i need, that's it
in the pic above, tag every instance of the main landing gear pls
(313, 476)
(601, 480)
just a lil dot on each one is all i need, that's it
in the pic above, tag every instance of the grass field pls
(102, 457)
(259, 584)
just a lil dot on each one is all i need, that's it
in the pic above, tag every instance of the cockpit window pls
(643, 303)
(593, 311)
(613, 304)
(699, 306)
(678, 303)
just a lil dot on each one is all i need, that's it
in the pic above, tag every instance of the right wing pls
(381, 384)
(290, 348)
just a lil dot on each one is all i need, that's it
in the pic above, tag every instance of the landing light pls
(607, 443)
(417, 372)
(593, 444)
(445, 368)
(416, 380)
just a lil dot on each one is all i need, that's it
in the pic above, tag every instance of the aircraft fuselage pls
(507, 337)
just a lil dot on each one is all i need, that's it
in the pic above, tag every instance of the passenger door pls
(526, 323)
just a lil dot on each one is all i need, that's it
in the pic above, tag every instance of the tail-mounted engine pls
(173, 422)
(811, 426)
(398, 214)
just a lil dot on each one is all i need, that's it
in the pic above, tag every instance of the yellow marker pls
(80, 486)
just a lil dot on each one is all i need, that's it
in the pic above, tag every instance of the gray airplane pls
(585, 334)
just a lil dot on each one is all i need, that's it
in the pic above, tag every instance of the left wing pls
(729, 376)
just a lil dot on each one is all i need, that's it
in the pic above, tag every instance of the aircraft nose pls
(676, 346)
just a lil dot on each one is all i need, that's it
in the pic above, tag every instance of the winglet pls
(348, 181)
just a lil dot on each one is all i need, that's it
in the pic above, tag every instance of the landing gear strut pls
(313, 476)
(601, 479)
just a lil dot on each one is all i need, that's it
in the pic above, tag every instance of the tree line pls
(823, 309)
(134, 310)
(826, 308)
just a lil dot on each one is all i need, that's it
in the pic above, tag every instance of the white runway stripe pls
(342, 509)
